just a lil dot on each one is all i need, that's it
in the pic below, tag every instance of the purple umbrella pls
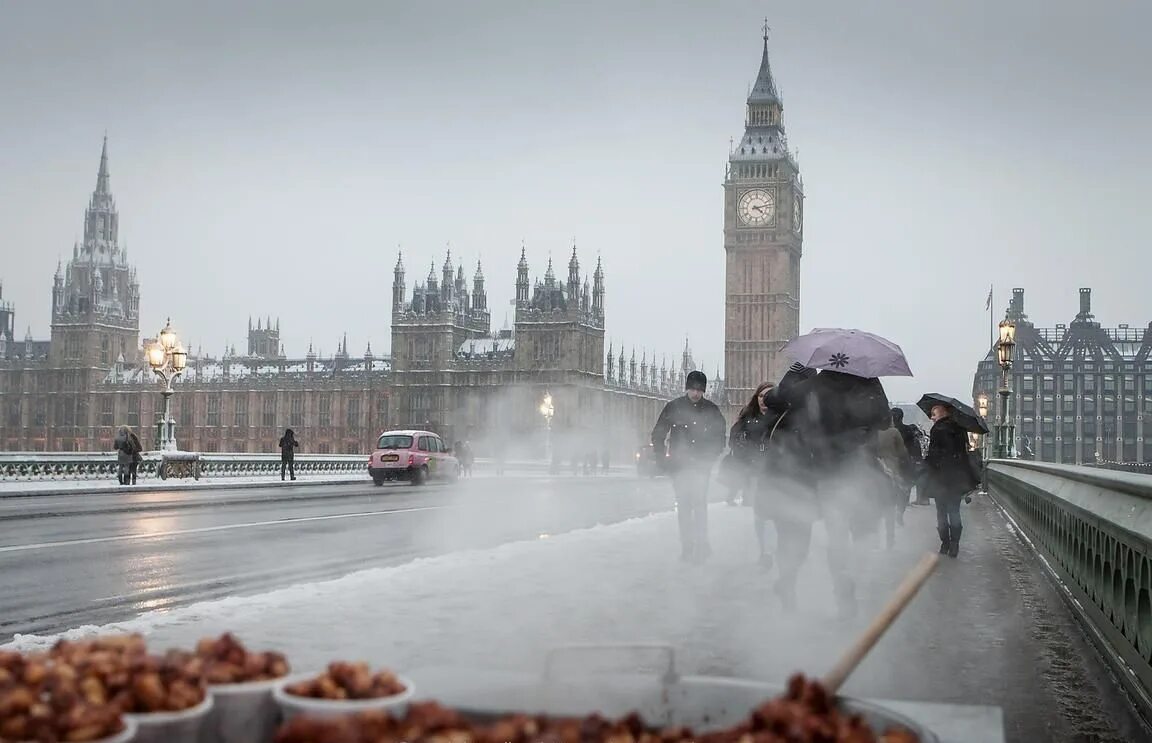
(849, 351)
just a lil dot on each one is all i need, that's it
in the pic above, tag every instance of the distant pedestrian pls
(693, 431)
(127, 446)
(467, 458)
(911, 436)
(604, 460)
(948, 476)
(893, 457)
(288, 446)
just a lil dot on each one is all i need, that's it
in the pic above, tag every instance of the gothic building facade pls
(1079, 391)
(448, 370)
(763, 238)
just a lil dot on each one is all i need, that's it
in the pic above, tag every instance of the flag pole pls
(991, 316)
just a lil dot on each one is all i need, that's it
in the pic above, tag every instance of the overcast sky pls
(268, 160)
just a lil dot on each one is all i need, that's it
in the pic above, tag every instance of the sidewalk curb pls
(163, 486)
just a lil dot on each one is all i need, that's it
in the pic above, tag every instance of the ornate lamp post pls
(547, 410)
(1004, 352)
(168, 359)
(982, 408)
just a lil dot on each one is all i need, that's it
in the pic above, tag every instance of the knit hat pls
(696, 380)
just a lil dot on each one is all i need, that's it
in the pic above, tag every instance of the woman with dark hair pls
(746, 441)
(288, 446)
(948, 476)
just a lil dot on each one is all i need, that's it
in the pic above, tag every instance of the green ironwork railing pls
(1094, 527)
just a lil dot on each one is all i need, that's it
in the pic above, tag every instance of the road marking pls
(206, 529)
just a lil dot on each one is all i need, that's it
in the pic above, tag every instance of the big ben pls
(763, 237)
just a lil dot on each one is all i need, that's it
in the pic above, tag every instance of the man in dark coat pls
(288, 445)
(694, 432)
(844, 414)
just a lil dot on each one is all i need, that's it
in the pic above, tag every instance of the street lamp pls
(1005, 348)
(168, 359)
(982, 408)
(547, 410)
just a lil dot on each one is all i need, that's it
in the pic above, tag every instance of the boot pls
(945, 539)
(954, 541)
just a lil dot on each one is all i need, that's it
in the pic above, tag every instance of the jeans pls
(948, 511)
(286, 464)
(691, 488)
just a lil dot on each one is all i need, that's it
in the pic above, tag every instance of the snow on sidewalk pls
(506, 606)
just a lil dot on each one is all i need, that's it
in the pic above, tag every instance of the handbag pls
(732, 473)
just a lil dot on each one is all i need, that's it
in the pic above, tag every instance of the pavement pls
(495, 573)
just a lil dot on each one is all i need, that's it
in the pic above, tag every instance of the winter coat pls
(785, 490)
(288, 446)
(695, 432)
(948, 466)
(748, 435)
(123, 446)
(893, 456)
(137, 448)
(843, 415)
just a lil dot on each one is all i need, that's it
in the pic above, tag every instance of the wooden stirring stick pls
(864, 643)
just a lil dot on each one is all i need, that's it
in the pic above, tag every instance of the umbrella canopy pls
(963, 414)
(849, 351)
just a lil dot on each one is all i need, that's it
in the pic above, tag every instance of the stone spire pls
(102, 180)
(574, 276)
(764, 90)
(522, 283)
(479, 295)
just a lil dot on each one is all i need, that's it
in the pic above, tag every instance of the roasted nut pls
(227, 661)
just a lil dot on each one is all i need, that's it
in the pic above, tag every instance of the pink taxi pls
(415, 456)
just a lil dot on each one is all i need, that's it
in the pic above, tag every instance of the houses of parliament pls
(447, 370)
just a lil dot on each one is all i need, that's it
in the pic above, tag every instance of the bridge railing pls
(1094, 527)
(26, 466)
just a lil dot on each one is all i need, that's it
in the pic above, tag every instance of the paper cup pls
(171, 727)
(292, 705)
(243, 713)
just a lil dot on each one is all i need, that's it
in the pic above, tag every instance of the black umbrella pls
(963, 414)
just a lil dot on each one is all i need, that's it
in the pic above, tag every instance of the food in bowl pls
(345, 680)
(227, 661)
(120, 671)
(40, 702)
(805, 714)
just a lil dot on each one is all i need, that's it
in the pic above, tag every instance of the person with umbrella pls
(844, 411)
(948, 475)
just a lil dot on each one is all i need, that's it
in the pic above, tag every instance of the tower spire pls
(764, 89)
(102, 186)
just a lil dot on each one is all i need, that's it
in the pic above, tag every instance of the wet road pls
(93, 558)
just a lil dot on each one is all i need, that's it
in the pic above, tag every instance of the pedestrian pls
(911, 436)
(288, 446)
(893, 458)
(124, 454)
(785, 493)
(844, 414)
(948, 476)
(692, 431)
(137, 455)
(467, 457)
(746, 441)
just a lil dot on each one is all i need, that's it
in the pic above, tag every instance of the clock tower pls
(763, 235)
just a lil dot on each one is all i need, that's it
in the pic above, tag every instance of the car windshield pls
(394, 441)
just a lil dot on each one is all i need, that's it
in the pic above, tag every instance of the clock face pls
(797, 217)
(756, 207)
